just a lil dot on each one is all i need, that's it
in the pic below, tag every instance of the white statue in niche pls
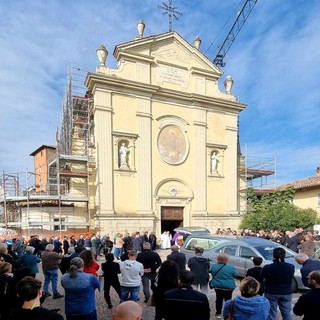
(214, 162)
(123, 155)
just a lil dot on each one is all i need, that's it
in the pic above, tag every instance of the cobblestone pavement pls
(148, 312)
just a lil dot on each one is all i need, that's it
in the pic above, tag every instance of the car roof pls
(191, 230)
(246, 239)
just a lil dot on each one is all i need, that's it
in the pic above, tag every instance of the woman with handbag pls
(223, 281)
(250, 305)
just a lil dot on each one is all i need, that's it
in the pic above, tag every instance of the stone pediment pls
(170, 62)
(167, 49)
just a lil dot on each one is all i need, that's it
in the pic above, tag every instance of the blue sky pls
(274, 62)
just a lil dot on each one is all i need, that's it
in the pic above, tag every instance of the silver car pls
(241, 251)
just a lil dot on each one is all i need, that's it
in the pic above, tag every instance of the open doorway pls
(171, 218)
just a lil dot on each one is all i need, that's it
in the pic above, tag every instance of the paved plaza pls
(148, 312)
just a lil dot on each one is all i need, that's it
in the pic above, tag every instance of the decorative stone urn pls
(228, 83)
(102, 54)
(140, 26)
(197, 42)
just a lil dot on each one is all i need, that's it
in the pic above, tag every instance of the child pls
(255, 272)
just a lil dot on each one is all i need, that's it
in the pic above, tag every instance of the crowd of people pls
(175, 287)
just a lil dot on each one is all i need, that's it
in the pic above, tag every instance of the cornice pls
(125, 86)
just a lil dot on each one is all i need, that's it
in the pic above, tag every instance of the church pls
(165, 138)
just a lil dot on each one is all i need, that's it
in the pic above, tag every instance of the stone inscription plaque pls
(172, 75)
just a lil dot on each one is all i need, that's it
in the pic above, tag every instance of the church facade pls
(166, 139)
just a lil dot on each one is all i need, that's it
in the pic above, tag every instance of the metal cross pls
(170, 11)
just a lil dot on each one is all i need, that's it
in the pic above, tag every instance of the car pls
(181, 233)
(191, 230)
(241, 251)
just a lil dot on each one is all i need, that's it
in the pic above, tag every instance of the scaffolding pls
(68, 172)
(256, 173)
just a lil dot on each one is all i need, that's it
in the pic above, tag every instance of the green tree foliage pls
(276, 211)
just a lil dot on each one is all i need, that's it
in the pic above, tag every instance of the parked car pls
(241, 251)
(192, 230)
(181, 233)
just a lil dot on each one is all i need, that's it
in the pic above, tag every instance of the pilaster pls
(103, 113)
(200, 190)
(231, 164)
(144, 158)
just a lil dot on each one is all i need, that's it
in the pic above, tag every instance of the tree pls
(276, 211)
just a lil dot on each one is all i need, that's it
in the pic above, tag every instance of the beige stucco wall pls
(307, 199)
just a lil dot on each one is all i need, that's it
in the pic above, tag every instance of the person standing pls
(50, 267)
(29, 291)
(137, 242)
(80, 292)
(6, 290)
(125, 255)
(250, 305)
(151, 261)
(95, 240)
(80, 241)
(308, 265)
(73, 241)
(30, 260)
(223, 281)
(308, 303)
(110, 270)
(164, 240)
(153, 241)
(90, 265)
(65, 262)
(255, 272)
(200, 266)
(178, 257)
(87, 243)
(118, 248)
(184, 302)
(307, 246)
(166, 279)
(131, 271)
(4, 256)
(57, 245)
(65, 244)
(278, 278)
(108, 245)
(19, 246)
(293, 241)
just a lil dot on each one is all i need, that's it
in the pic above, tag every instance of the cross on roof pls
(170, 11)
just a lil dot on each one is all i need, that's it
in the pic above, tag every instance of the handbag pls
(210, 285)
(231, 311)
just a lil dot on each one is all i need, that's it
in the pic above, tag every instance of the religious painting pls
(172, 144)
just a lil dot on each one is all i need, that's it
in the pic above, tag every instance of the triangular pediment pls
(169, 49)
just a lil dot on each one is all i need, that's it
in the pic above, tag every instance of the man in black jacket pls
(308, 303)
(184, 302)
(178, 257)
(151, 262)
(200, 266)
